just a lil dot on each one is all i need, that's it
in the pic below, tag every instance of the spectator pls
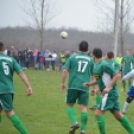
(62, 60)
(29, 54)
(67, 55)
(48, 58)
(35, 54)
(54, 56)
(41, 60)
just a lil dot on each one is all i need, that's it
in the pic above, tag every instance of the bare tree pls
(126, 17)
(40, 13)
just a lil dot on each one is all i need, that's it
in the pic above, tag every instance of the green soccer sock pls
(124, 85)
(101, 124)
(129, 84)
(84, 118)
(18, 124)
(71, 115)
(0, 118)
(126, 124)
(98, 99)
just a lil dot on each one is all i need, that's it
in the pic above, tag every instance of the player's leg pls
(83, 100)
(100, 121)
(120, 117)
(97, 100)
(101, 108)
(8, 108)
(129, 99)
(16, 122)
(124, 86)
(123, 82)
(129, 83)
(127, 104)
(70, 100)
(124, 122)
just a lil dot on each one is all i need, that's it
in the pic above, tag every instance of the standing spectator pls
(53, 60)
(35, 54)
(37, 63)
(41, 60)
(67, 55)
(21, 55)
(7, 68)
(23, 59)
(5, 51)
(28, 57)
(119, 59)
(48, 57)
(15, 55)
(12, 51)
(62, 59)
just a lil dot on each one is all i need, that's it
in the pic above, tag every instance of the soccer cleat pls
(93, 108)
(73, 128)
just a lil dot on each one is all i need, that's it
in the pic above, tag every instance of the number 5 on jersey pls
(5, 68)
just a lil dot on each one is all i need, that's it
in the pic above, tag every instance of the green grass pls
(44, 112)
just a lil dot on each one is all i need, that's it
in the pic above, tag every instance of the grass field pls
(44, 111)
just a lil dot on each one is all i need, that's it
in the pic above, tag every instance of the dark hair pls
(110, 54)
(83, 46)
(97, 52)
(2, 46)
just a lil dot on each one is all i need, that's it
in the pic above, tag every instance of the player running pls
(79, 66)
(130, 93)
(106, 77)
(7, 67)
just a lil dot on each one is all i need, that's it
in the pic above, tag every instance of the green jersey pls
(104, 73)
(7, 67)
(114, 64)
(80, 67)
(128, 62)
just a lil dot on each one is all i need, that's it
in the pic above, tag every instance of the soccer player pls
(109, 57)
(7, 67)
(79, 66)
(110, 60)
(127, 65)
(106, 77)
(130, 93)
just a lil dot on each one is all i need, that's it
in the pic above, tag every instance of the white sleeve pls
(128, 75)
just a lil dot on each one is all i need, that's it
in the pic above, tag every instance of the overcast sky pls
(81, 14)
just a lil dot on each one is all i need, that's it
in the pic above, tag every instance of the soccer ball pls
(64, 35)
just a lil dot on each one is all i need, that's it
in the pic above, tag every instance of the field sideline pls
(44, 112)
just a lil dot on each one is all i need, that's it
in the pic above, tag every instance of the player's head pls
(109, 55)
(83, 46)
(97, 53)
(2, 46)
(128, 53)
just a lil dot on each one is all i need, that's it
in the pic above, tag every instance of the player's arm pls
(92, 83)
(115, 78)
(64, 76)
(128, 75)
(25, 80)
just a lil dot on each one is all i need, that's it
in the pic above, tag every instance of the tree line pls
(19, 37)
